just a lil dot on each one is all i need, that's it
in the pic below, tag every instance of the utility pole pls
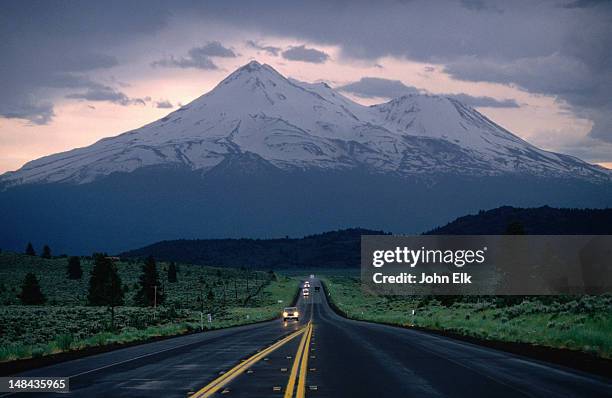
(202, 305)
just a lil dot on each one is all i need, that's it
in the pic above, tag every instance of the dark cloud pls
(164, 104)
(212, 49)
(37, 113)
(305, 54)
(568, 78)
(483, 102)
(106, 94)
(198, 62)
(54, 45)
(552, 74)
(371, 87)
(271, 50)
(602, 124)
(23, 83)
(197, 57)
(480, 5)
(585, 3)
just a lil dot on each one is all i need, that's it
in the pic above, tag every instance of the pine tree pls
(172, 273)
(74, 268)
(30, 291)
(30, 250)
(151, 291)
(105, 285)
(46, 252)
(272, 275)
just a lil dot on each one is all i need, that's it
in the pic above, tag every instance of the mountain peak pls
(252, 77)
(252, 68)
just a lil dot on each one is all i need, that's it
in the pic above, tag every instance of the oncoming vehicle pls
(306, 292)
(290, 313)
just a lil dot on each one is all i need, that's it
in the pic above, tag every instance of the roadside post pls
(155, 302)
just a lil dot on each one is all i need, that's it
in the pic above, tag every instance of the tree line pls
(105, 287)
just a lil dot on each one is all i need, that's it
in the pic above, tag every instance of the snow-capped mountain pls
(294, 125)
(265, 156)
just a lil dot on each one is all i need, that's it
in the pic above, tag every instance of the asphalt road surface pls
(322, 355)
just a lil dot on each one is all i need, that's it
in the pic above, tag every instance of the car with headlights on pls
(290, 313)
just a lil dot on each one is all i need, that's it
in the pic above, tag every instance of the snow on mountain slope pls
(301, 125)
(478, 140)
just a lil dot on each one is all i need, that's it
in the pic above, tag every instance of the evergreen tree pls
(74, 268)
(104, 283)
(30, 291)
(46, 252)
(148, 294)
(172, 273)
(272, 275)
(30, 250)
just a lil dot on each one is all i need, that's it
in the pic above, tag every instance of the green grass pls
(582, 323)
(66, 323)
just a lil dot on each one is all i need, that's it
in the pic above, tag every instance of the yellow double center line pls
(302, 353)
(237, 370)
(300, 363)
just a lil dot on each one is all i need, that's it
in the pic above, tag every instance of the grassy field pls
(65, 322)
(578, 323)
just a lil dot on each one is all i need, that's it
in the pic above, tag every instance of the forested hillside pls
(327, 250)
(532, 221)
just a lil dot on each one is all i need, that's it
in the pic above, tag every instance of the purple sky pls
(72, 75)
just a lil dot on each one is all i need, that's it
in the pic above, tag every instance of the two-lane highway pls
(324, 355)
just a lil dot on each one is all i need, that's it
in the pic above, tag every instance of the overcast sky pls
(74, 72)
